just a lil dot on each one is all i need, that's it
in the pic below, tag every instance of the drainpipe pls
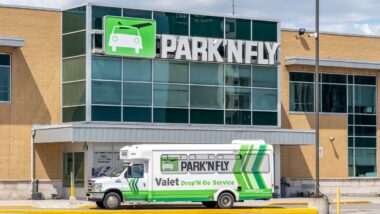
(35, 194)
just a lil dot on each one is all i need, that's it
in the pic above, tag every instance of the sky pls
(342, 16)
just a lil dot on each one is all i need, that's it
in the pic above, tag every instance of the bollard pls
(321, 204)
(72, 190)
(337, 200)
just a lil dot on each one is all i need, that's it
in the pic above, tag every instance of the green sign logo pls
(169, 164)
(129, 37)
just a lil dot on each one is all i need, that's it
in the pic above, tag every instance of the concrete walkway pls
(276, 202)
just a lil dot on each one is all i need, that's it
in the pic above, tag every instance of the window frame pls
(129, 172)
(9, 101)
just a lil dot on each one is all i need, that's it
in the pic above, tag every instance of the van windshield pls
(118, 170)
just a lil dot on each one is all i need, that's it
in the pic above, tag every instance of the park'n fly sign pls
(133, 37)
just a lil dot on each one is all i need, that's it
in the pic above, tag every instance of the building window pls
(172, 23)
(73, 162)
(264, 31)
(74, 19)
(141, 14)
(238, 29)
(5, 77)
(166, 71)
(237, 75)
(334, 98)
(206, 26)
(99, 12)
(301, 96)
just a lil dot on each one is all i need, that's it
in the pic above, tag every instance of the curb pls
(306, 203)
(171, 211)
(286, 203)
(352, 202)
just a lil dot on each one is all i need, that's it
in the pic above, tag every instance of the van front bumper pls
(95, 196)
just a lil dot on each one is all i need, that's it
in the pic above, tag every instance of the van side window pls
(231, 163)
(256, 164)
(201, 164)
(136, 171)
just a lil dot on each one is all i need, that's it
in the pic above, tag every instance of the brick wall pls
(299, 161)
(36, 87)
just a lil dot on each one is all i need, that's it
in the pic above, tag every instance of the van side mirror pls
(126, 174)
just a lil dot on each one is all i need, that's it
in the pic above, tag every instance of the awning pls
(90, 132)
(12, 41)
(333, 63)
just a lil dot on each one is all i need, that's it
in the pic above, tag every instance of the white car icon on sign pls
(125, 40)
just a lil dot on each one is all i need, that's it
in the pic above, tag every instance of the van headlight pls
(97, 187)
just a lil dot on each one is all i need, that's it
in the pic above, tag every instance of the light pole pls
(316, 98)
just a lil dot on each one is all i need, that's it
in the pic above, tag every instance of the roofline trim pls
(294, 60)
(334, 33)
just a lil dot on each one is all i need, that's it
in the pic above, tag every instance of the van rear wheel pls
(209, 204)
(112, 201)
(225, 200)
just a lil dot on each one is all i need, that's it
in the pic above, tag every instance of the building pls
(68, 104)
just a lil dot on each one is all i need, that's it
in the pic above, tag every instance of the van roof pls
(190, 147)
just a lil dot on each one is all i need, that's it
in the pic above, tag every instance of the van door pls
(136, 182)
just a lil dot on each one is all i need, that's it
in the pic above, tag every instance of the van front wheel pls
(112, 201)
(209, 204)
(225, 200)
(100, 204)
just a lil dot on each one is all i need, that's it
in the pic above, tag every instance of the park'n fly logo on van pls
(129, 37)
(169, 164)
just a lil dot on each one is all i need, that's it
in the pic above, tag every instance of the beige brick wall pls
(36, 86)
(48, 160)
(299, 161)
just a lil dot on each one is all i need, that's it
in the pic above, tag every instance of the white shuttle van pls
(215, 174)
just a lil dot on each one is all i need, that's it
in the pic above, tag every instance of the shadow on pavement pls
(187, 207)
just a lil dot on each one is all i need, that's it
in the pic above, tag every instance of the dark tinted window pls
(334, 98)
(264, 31)
(264, 118)
(365, 80)
(238, 29)
(350, 79)
(5, 86)
(164, 115)
(106, 113)
(301, 77)
(74, 19)
(206, 116)
(333, 78)
(365, 142)
(238, 117)
(206, 26)
(301, 97)
(365, 131)
(365, 119)
(5, 59)
(134, 114)
(172, 23)
(143, 14)
(73, 114)
(99, 12)
(74, 44)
